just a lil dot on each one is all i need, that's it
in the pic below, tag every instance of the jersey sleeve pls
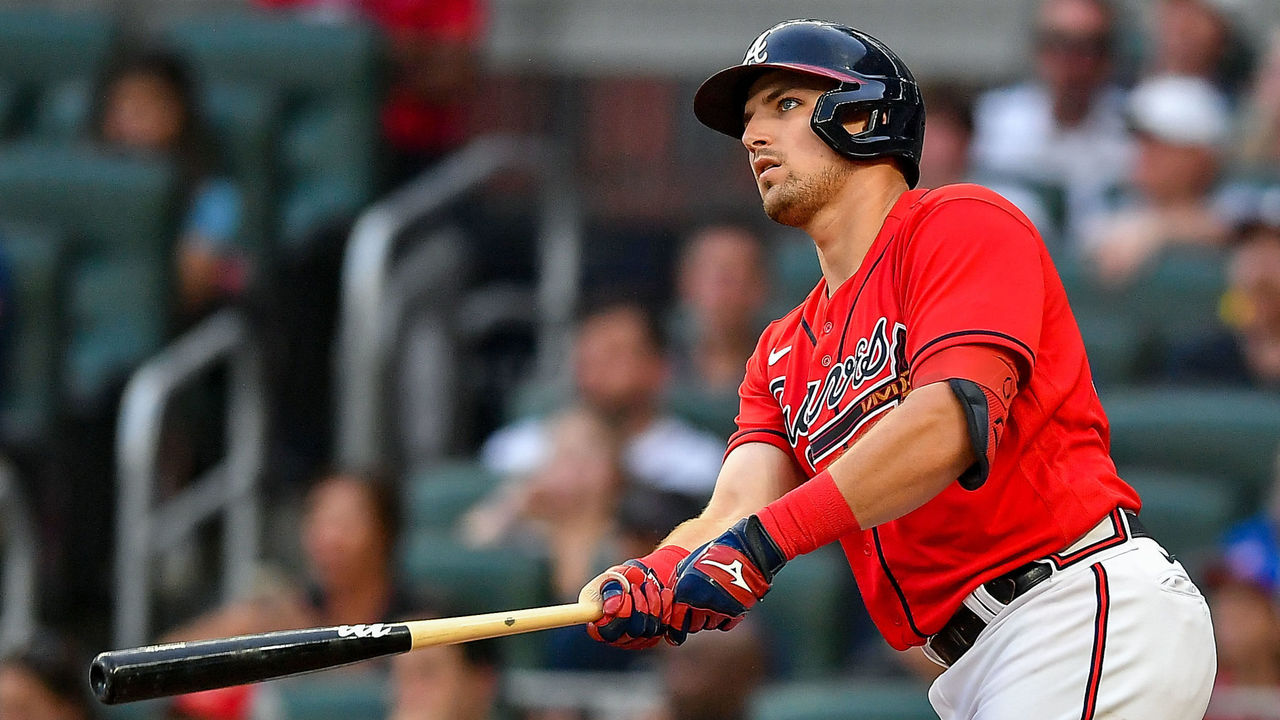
(971, 274)
(759, 415)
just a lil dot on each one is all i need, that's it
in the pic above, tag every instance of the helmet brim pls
(719, 101)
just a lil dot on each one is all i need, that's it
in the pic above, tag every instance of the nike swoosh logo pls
(776, 355)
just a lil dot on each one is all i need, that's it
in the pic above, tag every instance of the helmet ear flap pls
(890, 118)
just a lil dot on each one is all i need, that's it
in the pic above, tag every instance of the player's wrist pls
(809, 517)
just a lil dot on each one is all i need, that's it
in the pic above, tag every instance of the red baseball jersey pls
(953, 266)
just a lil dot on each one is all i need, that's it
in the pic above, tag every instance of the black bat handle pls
(159, 670)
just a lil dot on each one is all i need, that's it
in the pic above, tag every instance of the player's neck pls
(845, 228)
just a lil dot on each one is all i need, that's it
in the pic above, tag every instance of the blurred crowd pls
(1130, 140)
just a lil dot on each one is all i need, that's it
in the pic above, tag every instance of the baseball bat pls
(143, 673)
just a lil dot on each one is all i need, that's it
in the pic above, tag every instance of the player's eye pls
(788, 103)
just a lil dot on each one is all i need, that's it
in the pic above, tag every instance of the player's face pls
(796, 172)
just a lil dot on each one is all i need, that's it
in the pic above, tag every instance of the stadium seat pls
(479, 581)
(49, 58)
(325, 78)
(714, 413)
(1116, 352)
(1178, 295)
(118, 214)
(37, 256)
(802, 613)
(1187, 514)
(357, 693)
(1230, 434)
(436, 497)
(888, 699)
(245, 122)
(8, 108)
(145, 710)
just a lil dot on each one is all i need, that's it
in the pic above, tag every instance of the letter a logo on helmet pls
(868, 78)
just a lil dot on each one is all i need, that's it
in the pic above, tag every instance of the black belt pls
(961, 631)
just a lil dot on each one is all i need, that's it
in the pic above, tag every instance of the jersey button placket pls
(826, 361)
(827, 327)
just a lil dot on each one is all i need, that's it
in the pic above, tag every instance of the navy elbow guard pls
(985, 413)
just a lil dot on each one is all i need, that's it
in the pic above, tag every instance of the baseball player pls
(930, 407)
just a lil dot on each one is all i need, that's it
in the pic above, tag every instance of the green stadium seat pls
(798, 611)
(437, 497)
(795, 271)
(474, 581)
(63, 112)
(843, 700)
(245, 120)
(1116, 352)
(8, 107)
(119, 214)
(325, 78)
(480, 581)
(144, 710)
(1230, 434)
(38, 256)
(1178, 295)
(1187, 514)
(358, 693)
(48, 55)
(714, 413)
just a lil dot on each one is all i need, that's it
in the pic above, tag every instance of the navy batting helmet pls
(870, 78)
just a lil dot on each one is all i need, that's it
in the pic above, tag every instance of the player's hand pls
(719, 582)
(636, 616)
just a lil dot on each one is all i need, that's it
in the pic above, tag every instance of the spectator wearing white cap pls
(1182, 125)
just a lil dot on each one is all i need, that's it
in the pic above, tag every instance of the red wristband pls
(809, 517)
(663, 562)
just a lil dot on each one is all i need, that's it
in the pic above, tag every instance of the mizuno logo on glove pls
(734, 568)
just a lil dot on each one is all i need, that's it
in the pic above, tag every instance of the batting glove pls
(637, 616)
(719, 582)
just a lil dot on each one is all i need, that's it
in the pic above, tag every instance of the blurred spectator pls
(1260, 139)
(147, 105)
(1243, 595)
(45, 680)
(1182, 125)
(1196, 38)
(713, 675)
(435, 60)
(566, 507)
(946, 157)
(1063, 131)
(1246, 351)
(723, 287)
(349, 530)
(446, 682)
(620, 371)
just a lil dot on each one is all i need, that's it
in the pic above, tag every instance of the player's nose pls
(755, 134)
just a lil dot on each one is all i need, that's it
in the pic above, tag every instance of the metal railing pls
(17, 538)
(147, 528)
(360, 358)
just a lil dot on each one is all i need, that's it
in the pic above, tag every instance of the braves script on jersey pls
(954, 266)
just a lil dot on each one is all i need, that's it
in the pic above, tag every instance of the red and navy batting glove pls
(636, 617)
(719, 582)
